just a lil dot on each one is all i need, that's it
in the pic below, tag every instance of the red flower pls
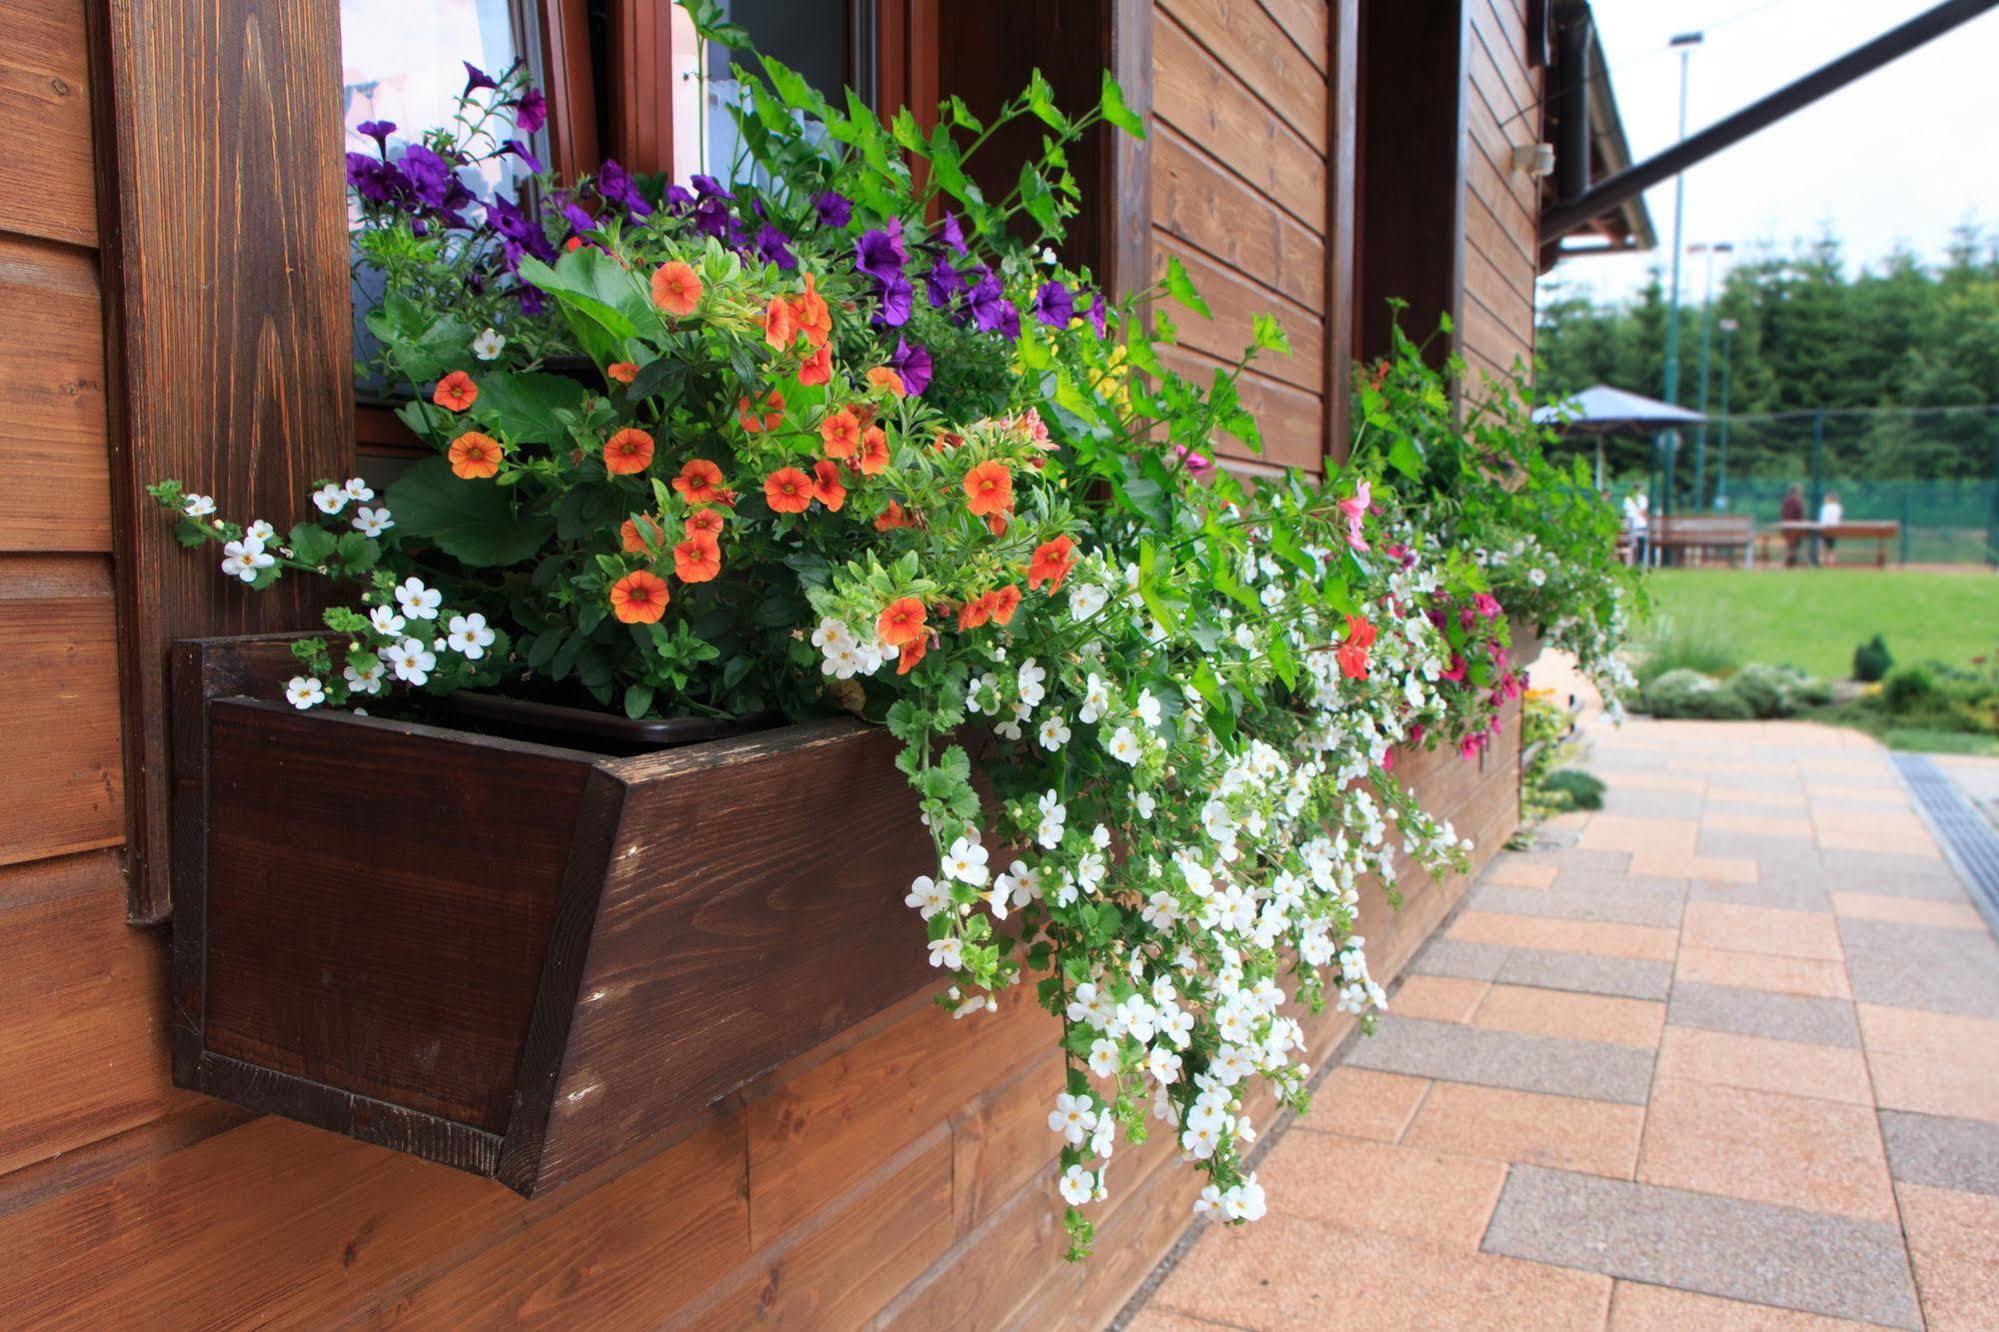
(841, 434)
(639, 597)
(883, 377)
(1006, 601)
(989, 489)
(1352, 654)
(699, 482)
(780, 328)
(874, 451)
(773, 415)
(634, 542)
(892, 517)
(809, 312)
(826, 487)
(817, 368)
(627, 452)
(788, 490)
(697, 559)
(455, 392)
(910, 655)
(976, 612)
(1051, 564)
(623, 371)
(676, 288)
(902, 623)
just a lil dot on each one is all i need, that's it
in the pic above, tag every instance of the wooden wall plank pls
(1494, 220)
(1236, 302)
(1213, 107)
(1503, 35)
(55, 482)
(1491, 335)
(47, 184)
(1489, 118)
(1291, 420)
(1243, 37)
(1001, 1141)
(234, 327)
(1307, 24)
(1490, 285)
(988, 1275)
(1219, 215)
(59, 675)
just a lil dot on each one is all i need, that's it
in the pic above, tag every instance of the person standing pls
(1637, 524)
(1831, 513)
(1792, 511)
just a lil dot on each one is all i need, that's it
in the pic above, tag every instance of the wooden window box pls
(511, 957)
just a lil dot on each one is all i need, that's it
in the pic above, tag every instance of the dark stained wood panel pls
(233, 324)
(1216, 213)
(1490, 129)
(1001, 1141)
(1236, 301)
(55, 481)
(1243, 37)
(47, 186)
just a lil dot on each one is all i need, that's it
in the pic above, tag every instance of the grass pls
(1813, 619)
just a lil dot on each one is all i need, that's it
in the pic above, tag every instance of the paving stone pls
(1751, 929)
(1901, 832)
(1950, 1238)
(1445, 956)
(1624, 800)
(1891, 875)
(1520, 871)
(1442, 998)
(1945, 915)
(1921, 966)
(1524, 1127)
(1935, 1063)
(1506, 1059)
(1602, 938)
(1637, 1307)
(1942, 1152)
(1781, 1017)
(1833, 1265)
(1364, 1104)
(1772, 854)
(1725, 1059)
(1438, 1198)
(1538, 1011)
(1778, 892)
(1587, 973)
(1762, 971)
(1627, 904)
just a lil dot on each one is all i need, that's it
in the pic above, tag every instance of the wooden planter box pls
(510, 957)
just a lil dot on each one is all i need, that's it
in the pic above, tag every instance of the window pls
(833, 43)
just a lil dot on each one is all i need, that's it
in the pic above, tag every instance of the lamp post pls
(1728, 327)
(1707, 312)
(1684, 44)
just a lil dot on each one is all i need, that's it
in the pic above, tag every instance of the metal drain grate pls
(1967, 839)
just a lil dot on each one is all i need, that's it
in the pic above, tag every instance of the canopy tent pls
(1604, 411)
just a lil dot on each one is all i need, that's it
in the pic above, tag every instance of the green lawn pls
(1813, 618)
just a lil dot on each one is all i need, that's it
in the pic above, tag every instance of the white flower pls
(411, 661)
(1054, 732)
(198, 506)
(1096, 700)
(1091, 1006)
(469, 636)
(243, 559)
(1244, 1202)
(330, 498)
(372, 522)
(386, 621)
(1053, 815)
(948, 953)
(983, 693)
(1031, 682)
(1105, 1057)
(357, 489)
(927, 896)
(1086, 599)
(1073, 1117)
(302, 692)
(1078, 1186)
(1148, 708)
(364, 677)
(418, 602)
(1163, 1065)
(1015, 888)
(261, 531)
(966, 862)
(1124, 746)
(488, 345)
(831, 632)
(1144, 803)
(1101, 1144)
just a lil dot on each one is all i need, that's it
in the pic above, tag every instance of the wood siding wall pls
(1502, 205)
(899, 1175)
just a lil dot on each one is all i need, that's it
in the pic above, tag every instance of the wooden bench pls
(1701, 533)
(1880, 531)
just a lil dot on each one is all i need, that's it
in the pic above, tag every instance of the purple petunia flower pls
(579, 220)
(952, 234)
(835, 210)
(521, 231)
(678, 199)
(898, 300)
(378, 130)
(530, 298)
(774, 247)
(1098, 312)
(913, 363)
(375, 180)
(880, 255)
(531, 112)
(988, 303)
(711, 217)
(943, 282)
(476, 78)
(520, 150)
(709, 188)
(1054, 306)
(430, 176)
(614, 185)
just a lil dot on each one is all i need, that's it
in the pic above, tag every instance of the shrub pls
(1871, 660)
(1689, 694)
(1572, 788)
(1908, 688)
(1812, 692)
(1769, 691)
(1686, 643)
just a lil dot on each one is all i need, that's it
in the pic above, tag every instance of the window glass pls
(829, 42)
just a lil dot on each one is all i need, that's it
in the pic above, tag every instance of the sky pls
(1900, 157)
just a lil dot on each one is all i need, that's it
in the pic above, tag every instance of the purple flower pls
(880, 255)
(374, 180)
(579, 220)
(378, 130)
(531, 112)
(709, 188)
(430, 176)
(834, 210)
(678, 199)
(520, 150)
(1054, 306)
(530, 298)
(520, 230)
(614, 185)
(476, 78)
(711, 217)
(943, 282)
(1098, 313)
(898, 299)
(992, 312)
(774, 247)
(952, 234)
(913, 364)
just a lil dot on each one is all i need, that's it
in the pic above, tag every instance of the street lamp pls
(1728, 327)
(1707, 310)
(1684, 44)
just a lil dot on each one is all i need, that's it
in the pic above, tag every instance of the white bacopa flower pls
(1105, 1057)
(418, 602)
(1145, 804)
(411, 661)
(830, 632)
(1018, 886)
(372, 522)
(488, 345)
(386, 621)
(1078, 1186)
(261, 531)
(966, 862)
(1031, 682)
(330, 498)
(1163, 1064)
(1073, 1117)
(1086, 599)
(469, 636)
(357, 489)
(1054, 732)
(948, 953)
(927, 896)
(1123, 746)
(243, 559)
(1148, 708)
(1096, 700)
(364, 677)
(198, 506)
(302, 692)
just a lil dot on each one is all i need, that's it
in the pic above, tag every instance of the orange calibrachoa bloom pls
(627, 452)
(1352, 654)
(826, 485)
(883, 377)
(639, 597)
(474, 456)
(902, 623)
(817, 368)
(809, 312)
(788, 490)
(699, 482)
(1051, 564)
(634, 541)
(841, 433)
(676, 288)
(906, 660)
(874, 451)
(989, 489)
(892, 517)
(455, 392)
(780, 327)
(623, 371)
(697, 559)
(996, 524)
(773, 415)
(704, 522)
(976, 612)
(1005, 602)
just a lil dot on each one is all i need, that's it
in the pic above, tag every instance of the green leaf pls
(1266, 334)
(638, 700)
(426, 346)
(1041, 101)
(796, 90)
(358, 553)
(475, 522)
(524, 407)
(1117, 112)
(592, 283)
(1181, 287)
(313, 545)
(1406, 457)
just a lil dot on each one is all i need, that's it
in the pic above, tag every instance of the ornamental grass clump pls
(841, 443)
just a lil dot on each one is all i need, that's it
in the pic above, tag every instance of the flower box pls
(517, 957)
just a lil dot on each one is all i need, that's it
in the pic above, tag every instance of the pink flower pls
(1487, 605)
(1388, 760)
(1468, 748)
(1457, 671)
(1194, 462)
(1355, 510)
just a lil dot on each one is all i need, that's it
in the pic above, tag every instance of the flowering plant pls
(851, 443)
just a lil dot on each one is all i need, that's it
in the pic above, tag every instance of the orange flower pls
(1005, 602)
(948, 440)
(841, 433)
(976, 611)
(883, 377)
(910, 655)
(902, 623)
(773, 415)
(989, 489)
(788, 490)
(639, 597)
(455, 392)
(874, 451)
(996, 524)
(817, 368)
(1051, 564)
(628, 451)
(826, 484)
(697, 559)
(809, 312)
(474, 455)
(623, 371)
(704, 523)
(633, 541)
(892, 517)
(676, 288)
(780, 329)
(699, 482)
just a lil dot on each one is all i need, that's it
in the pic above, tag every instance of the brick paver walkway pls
(1724, 1055)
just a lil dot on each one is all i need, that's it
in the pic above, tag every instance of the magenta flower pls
(952, 234)
(1486, 604)
(898, 300)
(942, 282)
(1355, 509)
(476, 78)
(531, 112)
(520, 150)
(1192, 460)
(1457, 671)
(378, 130)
